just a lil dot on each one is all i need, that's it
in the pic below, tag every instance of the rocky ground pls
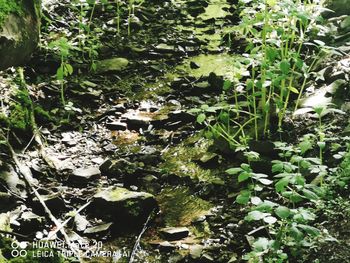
(127, 153)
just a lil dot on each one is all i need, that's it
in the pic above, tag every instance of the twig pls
(27, 175)
(139, 238)
(66, 222)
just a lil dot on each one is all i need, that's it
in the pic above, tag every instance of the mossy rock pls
(127, 209)
(340, 7)
(19, 31)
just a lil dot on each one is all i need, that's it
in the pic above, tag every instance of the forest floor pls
(127, 124)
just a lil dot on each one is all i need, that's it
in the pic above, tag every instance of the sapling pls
(65, 69)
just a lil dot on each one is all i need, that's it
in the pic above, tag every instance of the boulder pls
(82, 176)
(175, 233)
(340, 7)
(111, 65)
(127, 209)
(19, 31)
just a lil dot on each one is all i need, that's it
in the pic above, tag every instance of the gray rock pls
(111, 65)
(98, 229)
(175, 233)
(128, 209)
(136, 122)
(196, 251)
(19, 33)
(84, 175)
(116, 126)
(118, 168)
(53, 201)
(164, 246)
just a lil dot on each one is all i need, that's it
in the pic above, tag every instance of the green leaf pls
(285, 67)
(243, 176)
(265, 181)
(296, 233)
(59, 73)
(244, 197)
(201, 118)
(227, 85)
(261, 244)
(282, 183)
(255, 215)
(310, 195)
(233, 171)
(294, 90)
(282, 212)
(69, 69)
(265, 206)
(271, 3)
(270, 220)
(310, 230)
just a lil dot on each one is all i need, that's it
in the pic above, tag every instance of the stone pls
(175, 233)
(98, 229)
(196, 251)
(117, 168)
(84, 175)
(194, 65)
(339, 7)
(164, 48)
(30, 223)
(53, 201)
(164, 246)
(137, 121)
(111, 65)
(116, 126)
(128, 209)
(6, 202)
(19, 32)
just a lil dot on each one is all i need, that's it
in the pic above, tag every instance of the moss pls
(42, 116)
(10, 7)
(180, 207)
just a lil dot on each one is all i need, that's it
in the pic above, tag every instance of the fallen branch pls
(137, 243)
(28, 178)
(66, 222)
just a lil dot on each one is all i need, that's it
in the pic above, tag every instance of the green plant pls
(273, 67)
(65, 69)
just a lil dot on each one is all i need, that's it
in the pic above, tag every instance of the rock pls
(111, 65)
(128, 209)
(98, 229)
(175, 233)
(345, 25)
(6, 202)
(84, 175)
(118, 168)
(80, 222)
(119, 108)
(340, 7)
(164, 246)
(263, 147)
(116, 126)
(30, 223)
(53, 201)
(137, 121)
(194, 65)
(164, 48)
(19, 31)
(196, 251)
